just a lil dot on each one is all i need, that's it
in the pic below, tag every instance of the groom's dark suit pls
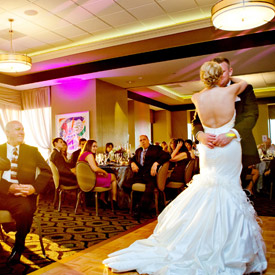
(246, 117)
(23, 208)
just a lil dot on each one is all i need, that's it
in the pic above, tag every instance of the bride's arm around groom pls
(246, 117)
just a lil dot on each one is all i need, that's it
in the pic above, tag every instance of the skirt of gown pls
(210, 228)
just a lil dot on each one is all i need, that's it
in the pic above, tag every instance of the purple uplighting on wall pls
(49, 66)
(150, 94)
(73, 88)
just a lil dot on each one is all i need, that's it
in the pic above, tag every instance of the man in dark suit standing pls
(147, 159)
(246, 117)
(19, 185)
(67, 177)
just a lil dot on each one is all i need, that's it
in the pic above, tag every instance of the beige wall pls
(139, 122)
(112, 114)
(162, 128)
(179, 124)
(106, 103)
(261, 127)
(131, 124)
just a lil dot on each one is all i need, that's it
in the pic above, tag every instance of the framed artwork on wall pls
(72, 127)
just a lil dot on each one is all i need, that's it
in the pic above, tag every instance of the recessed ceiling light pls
(31, 12)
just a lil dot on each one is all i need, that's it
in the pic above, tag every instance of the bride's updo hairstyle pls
(210, 73)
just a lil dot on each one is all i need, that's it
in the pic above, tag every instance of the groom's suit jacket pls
(29, 159)
(246, 117)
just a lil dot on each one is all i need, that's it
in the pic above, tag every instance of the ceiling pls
(152, 48)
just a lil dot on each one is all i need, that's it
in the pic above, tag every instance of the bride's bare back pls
(216, 105)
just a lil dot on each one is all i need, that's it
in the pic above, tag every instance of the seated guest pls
(171, 146)
(108, 148)
(64, 151)
(67, 177)
(103, 179)
(76, 153)
(164, 146)
(144, 165)
(180, 157)
(19, 184)
(266, 148)
(189, 146)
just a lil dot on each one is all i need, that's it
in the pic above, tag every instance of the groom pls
(246, 118)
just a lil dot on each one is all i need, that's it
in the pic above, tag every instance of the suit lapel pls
(139, 155)
(22, 150)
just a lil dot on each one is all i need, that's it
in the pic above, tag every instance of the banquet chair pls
(5, 217)
(161, 180)
(59, 188)
(188, 173)
(86, 179)
(197, 165)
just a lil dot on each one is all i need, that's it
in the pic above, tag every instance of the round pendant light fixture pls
(12, 62)
(237, 15)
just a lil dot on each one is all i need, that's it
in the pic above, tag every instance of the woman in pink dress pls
(103, 179)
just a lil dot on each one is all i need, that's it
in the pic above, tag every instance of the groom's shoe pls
(14, 257)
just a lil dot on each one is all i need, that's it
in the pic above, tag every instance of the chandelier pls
(237, 15)
(12, 62)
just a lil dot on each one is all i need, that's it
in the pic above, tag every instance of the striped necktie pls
(14, 166)
(143, 157)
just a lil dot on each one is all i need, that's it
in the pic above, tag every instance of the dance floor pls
(89, 261)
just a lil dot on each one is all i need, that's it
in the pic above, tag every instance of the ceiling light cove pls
(170, 93)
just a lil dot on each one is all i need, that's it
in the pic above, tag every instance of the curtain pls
(10, 107)
(37, 114)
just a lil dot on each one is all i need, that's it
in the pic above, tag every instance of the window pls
(30, 139)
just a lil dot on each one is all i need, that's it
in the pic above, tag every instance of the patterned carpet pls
(64, 233)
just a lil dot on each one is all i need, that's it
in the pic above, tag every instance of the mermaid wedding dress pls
(210, 228)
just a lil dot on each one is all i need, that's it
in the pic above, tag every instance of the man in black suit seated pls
(246, 117)
(67, 177)
(145, 163)
(75, 154)
(20, 184)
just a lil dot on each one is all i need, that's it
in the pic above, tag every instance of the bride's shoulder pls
(197, 95)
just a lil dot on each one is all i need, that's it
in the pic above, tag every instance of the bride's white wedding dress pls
(210, 228)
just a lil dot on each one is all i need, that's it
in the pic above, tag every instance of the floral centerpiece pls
(118, 150)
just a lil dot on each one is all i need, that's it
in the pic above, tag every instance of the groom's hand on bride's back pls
(206, 139)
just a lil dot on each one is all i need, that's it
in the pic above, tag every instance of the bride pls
(210, 228)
